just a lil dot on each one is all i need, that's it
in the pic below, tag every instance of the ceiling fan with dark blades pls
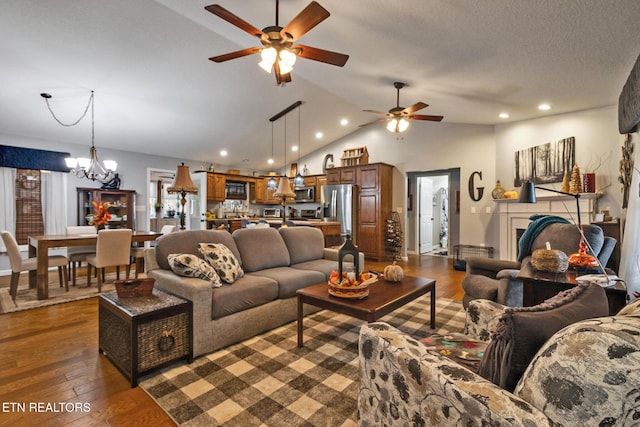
(398, 117)
(279, 52)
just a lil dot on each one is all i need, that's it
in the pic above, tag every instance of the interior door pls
(425, 213)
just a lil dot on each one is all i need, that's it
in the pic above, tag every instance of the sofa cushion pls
(566, 238)
(261, 248)
(247, 292)
(304, 243)
(291, 279)
(188, 265)
(222, 260)
(521, 331)
(481, 287)
(186, 242)
(324, 266)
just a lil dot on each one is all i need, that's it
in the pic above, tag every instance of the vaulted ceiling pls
(157, 92)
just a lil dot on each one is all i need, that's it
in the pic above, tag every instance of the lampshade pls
(182, 183)
(272, 183)
(527, 193)
(284, 190)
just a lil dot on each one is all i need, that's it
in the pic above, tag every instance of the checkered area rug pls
(269, 381)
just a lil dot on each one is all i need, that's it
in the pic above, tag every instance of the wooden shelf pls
(355, 156)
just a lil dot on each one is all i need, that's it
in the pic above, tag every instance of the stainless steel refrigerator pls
(339, 203)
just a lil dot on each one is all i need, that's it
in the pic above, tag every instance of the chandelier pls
(82, 167)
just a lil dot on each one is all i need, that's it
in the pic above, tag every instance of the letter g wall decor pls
(472, 187)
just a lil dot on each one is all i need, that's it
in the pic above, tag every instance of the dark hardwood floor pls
(50, 356)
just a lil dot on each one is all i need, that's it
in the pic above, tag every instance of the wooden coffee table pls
(384, 297)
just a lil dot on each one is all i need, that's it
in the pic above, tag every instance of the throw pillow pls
(222, 260)
(521, 331)
(188, 265)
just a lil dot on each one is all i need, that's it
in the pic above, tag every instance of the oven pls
(305, 194)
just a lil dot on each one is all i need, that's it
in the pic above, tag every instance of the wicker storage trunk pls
(141, 334)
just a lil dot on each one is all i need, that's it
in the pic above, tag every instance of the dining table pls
(39, 247)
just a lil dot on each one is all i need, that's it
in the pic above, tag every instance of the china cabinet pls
(121, 206)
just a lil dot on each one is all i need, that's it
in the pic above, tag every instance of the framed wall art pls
(545, 163)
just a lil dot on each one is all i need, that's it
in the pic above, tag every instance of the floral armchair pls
(586, 374)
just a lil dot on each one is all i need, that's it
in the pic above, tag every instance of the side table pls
(141, 334)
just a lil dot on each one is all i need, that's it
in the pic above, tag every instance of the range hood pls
(236, 190)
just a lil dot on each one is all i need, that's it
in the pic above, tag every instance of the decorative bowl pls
(357, 291)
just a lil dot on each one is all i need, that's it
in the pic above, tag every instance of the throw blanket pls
(539, 222)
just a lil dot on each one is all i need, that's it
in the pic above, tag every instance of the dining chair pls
(78, 254)
(112, 250)
(137, 252)
(19, 264)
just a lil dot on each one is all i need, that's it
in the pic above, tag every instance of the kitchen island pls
(330, 229)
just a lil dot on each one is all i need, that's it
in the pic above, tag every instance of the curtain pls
(54, 202)
(7, 202)
(630, 255)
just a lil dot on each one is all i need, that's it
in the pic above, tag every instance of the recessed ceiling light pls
(223, 153)
(344, 122)
(504, 115)
(319, 135)
(294, 148)
(270, 161)
(544, 107)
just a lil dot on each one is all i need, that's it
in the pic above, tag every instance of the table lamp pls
(182, 185)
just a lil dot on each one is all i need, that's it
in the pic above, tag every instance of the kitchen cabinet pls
(257, 191)
(375, 187)
(216, 187)
(345, 175)
(121, 206)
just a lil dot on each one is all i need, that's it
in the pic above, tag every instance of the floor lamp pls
(528, 195)
(182, 185)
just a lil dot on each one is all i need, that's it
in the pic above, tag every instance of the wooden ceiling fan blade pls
(375, 112)
(236, 54)
(321, 55)
(310, 16)
(232, 19)
(415, 107)
(426, 117)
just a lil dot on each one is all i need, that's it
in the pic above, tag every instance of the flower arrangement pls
(102, 215)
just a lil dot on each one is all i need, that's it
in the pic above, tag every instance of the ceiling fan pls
(278, 52)
(398, 117)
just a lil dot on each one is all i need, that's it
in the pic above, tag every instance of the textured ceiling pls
(156, 91)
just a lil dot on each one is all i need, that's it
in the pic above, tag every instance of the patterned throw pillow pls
(188, 265)
(222, 260)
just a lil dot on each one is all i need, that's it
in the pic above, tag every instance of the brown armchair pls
(496, 280)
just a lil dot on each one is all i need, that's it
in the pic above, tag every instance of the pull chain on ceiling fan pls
(398, 117)
(278, 52)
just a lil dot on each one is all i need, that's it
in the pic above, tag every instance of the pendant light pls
(298, 181)
(284, 192)
(90, 168)
(272, 184)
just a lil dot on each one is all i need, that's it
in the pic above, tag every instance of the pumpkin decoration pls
(393, 272)
(511, 194)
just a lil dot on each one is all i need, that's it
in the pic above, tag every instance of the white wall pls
(425, 147)
(597, 141)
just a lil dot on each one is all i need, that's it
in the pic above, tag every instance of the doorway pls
(432, 226)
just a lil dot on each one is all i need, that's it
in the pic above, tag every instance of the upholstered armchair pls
(496, 280)
(586, 374)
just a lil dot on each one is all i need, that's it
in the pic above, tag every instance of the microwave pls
(305, 194)
(271, 213)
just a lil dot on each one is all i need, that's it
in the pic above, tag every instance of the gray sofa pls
(276, 264)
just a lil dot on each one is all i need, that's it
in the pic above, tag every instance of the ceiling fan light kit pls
(398, 117)
(278, 53)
